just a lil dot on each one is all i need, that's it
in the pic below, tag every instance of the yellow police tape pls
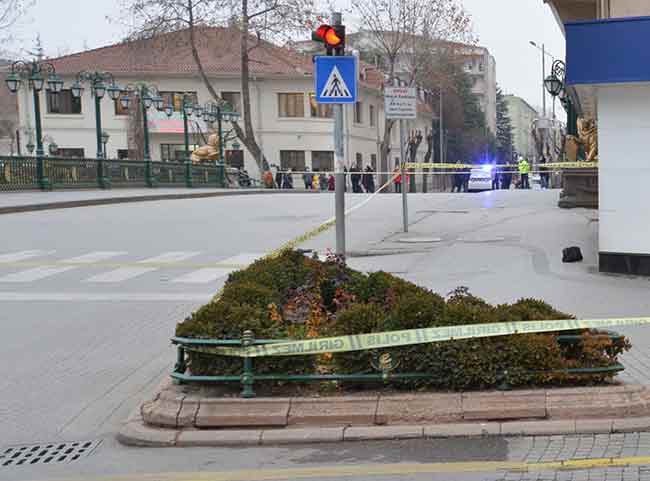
(361, 342)
(295, 242)
(570, 165)
(551, 165)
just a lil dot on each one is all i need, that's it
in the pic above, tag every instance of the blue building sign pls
(608, 51)
(336, 80)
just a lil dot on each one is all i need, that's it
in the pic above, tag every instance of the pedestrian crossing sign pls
(336, 80)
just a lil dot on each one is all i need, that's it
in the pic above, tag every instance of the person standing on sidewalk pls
(287, 181)
(308, 178)
(279, 178)
(398, 180)
(316, 181)
(543, 174)
(369, 180)
(457, 180)
(524, 170)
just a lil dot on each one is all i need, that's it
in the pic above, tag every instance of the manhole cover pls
(46, 453)
(419, 240)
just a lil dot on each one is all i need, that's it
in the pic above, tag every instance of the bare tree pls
(407, 35)
(256, 20)
(11, 12)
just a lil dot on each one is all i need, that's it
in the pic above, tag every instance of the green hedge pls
(296, 297)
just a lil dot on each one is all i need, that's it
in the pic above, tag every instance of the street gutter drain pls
(46, 453)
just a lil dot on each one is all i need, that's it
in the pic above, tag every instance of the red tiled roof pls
(170, 54)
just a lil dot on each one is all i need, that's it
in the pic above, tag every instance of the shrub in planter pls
(295, 297)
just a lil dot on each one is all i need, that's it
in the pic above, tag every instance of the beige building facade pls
(292, 130)
(522, 117)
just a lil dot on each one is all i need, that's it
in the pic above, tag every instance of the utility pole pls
(404, 183)
(543, 79)
(339, 165)
(441, 128)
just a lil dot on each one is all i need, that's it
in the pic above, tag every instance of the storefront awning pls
(159, 123)
(608, 51)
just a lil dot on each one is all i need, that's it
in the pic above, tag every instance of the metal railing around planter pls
(247, 377)
(18, 173)
(22, 173)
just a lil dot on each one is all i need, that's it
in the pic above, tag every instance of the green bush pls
(295, 297)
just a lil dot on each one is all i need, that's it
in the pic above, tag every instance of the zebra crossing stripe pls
(23, 255)
(35, 274)
(203, 276)
(211, 274)
(126, 273)
(39, 273)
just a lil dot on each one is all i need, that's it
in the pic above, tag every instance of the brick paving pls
(547, 449)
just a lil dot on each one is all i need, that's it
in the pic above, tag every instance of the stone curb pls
(136, 198)
(136, 433)
(175, 407)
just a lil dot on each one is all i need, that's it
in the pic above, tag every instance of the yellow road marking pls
(319, 472)
(169, 265)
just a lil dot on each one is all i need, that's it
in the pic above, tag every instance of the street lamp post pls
(37, 73)
(189, 108)
(544, 54)
(148, 96)
(104, 137)
(98, 82)
(555, 85)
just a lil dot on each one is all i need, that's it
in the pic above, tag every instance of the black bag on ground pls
(571, 254)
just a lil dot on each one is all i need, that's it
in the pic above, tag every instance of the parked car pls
(481, 178)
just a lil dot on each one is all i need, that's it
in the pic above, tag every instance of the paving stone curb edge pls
(135, 433)
(136, 198)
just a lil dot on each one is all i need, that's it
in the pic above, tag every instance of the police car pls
(480, 178)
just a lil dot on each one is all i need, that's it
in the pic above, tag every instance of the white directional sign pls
(401, 103)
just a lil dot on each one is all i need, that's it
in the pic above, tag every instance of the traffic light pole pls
(339, 161)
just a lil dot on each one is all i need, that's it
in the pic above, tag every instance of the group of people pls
(460, 180)
(361, 181)
(503, 176)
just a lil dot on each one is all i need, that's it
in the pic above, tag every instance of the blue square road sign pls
(336, 80)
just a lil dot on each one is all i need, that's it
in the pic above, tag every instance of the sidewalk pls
(13, 202)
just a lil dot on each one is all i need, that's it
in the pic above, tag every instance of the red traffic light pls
(332, 37)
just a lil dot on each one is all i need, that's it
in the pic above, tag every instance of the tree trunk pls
(135, 132)
(246, 135)
(385, 150)
(249, 138)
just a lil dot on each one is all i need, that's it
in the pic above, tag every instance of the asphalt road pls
(89, 298)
